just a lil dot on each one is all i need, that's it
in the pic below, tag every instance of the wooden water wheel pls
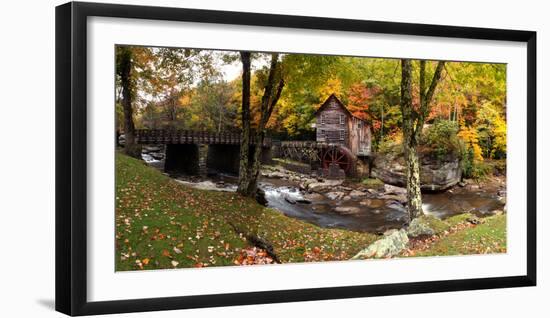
(338, 155)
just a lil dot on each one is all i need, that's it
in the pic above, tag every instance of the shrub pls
(481, 170)
(499, 166)
(467, 162)
(473, 168)
(441, 138)
(391, 143)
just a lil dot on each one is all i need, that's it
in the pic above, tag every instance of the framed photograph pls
(209, 158)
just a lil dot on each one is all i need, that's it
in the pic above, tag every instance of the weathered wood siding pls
(333, 124)
(360, 137)
(336, 125)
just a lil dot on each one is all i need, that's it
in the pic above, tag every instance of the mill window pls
(342, 134)
(342, 118)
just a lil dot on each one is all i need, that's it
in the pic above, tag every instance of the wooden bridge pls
(181, 136)
(196, 152)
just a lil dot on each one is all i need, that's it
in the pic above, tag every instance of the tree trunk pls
(250, 171)
(245, 115)
(413, 122)
(256, 164)
(130, 146)
(414, 197)
(269, 100)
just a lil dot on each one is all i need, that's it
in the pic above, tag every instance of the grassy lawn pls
(163, 224)
(488, 237)
(457, 236)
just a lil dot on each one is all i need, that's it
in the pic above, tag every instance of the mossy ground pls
(373, 183)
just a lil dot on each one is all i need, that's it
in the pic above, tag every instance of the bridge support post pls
(266, 155)
(203, 159)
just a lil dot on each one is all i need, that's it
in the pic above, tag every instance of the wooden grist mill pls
(342, 140)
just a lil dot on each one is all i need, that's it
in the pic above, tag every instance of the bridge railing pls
(183, 136)
(307, 144)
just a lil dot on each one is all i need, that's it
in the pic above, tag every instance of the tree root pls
(258, 242)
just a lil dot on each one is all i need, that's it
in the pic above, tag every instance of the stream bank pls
(352, 205)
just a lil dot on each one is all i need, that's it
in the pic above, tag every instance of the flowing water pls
(371, 214)
(365, 213)
(323, 212)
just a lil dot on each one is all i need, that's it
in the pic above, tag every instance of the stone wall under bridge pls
(201, 159)
(363, 166)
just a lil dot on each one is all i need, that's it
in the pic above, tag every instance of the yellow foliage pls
(185, 100)
(195, 118)
(471, 140)
(500, 135)
(290, 123)
(332, 86)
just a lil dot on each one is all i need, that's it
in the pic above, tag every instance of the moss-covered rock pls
(390, 245)
(435, 175)
(439, 153)
(419, 227)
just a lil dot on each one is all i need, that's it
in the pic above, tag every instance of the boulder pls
(396, 205)
(393, 242)
(396, 214)
(314, 196)
(335, 195)
(274, 175)
(474, 220)
(372, 203)
(320, 209)
(260, 197)
(356, 194)
(321, 187)
(435, 175)
(122, 140)
(151, 148)
(289, 199)
(391, 189)
(346, 209)
(157, 155)
(399, 198)
(334, 172)
(306, 182)
(419, 227)
(371, 191)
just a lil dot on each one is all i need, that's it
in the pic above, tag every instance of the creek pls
(352, 206)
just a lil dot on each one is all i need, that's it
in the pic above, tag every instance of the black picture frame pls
(71, 157)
